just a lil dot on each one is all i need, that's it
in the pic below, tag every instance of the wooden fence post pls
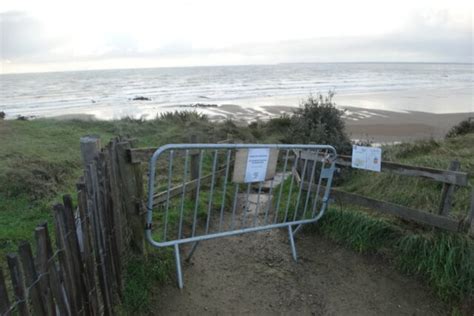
(47, 264)
(447, 193)
(42, 266)
(90, 147)
(132, 194)
(194, 160)
(4, 300)
(17, 283)
(31, 276)
(65, 264)
(471, 215)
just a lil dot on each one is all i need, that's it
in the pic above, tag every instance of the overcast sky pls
(52, 35)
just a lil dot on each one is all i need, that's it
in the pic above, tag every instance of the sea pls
(110, 94)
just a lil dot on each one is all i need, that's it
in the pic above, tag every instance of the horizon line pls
(238, 65)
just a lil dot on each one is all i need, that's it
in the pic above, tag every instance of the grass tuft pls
(446, 260)
(141, 275)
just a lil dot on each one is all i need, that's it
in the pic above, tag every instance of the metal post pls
(292, 243)
(192, 251)
(178, 266)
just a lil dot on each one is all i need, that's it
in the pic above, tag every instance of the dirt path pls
(255, 274)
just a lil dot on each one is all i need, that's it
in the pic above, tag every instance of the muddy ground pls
(255, 274)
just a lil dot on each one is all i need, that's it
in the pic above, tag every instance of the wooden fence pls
(81, 272)
(450, 178)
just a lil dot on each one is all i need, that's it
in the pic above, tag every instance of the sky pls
(58, 35)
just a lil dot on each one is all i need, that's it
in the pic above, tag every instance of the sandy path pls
(255, 274)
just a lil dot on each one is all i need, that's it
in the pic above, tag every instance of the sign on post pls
(368, 158)
(254, 165)
(257, 162)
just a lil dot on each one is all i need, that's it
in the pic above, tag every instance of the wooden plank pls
(18, 285)
(65, 266)
(120, 223)
(90, 147)
(95, 208)
(42, 265)
(4, 300)
(74, 250)
(446, 176)
(190, 186)
(88, 253)
(143, 155)
(31, 278)
(194, 160)
(45, 255)
(447, 193)
(132, 194)
(398, 210)
(471, 215)
(113, 259)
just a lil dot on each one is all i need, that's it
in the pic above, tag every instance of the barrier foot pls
(292, 243)
(192, 251)
(297, 229)
(178, 266)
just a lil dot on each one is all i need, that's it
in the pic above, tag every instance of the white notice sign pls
(257, 162)
(369, 158)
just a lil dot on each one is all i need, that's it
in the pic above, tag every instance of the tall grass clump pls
(446, 260)
(360, 231)
(141, 275)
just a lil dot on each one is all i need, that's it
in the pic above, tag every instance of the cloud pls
(430, 36)
(22, 36)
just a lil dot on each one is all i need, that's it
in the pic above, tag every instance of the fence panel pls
(198, 192)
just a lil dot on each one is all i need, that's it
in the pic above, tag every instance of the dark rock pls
(140, 98)
(22, 118)
(2, 115)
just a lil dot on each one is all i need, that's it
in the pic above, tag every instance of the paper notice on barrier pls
(368, 158)
(257, 162)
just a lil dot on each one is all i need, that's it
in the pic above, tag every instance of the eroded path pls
(255, 274)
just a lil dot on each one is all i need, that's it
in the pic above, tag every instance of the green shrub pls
(319, 121)
(463, 128)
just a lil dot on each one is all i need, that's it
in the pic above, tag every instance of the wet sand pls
(381, 117)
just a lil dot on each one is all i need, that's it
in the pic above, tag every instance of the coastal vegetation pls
(40, 161)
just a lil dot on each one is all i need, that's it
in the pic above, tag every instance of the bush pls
(463, 128)
(319, 121)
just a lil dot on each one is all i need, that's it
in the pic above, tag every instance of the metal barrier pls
(217, 190)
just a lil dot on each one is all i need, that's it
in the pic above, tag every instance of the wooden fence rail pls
(450, 179)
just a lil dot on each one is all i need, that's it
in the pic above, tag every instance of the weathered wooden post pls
(31, 277)
(194, 160)
(132, 194)
(90, 148)
(4, 300)
(471, 215)
(447, 193)
(18, 285)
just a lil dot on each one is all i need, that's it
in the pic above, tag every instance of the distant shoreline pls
(378, 126)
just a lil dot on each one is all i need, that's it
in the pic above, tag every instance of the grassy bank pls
(40, 161)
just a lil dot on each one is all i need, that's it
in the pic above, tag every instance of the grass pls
(40, 161)
(444, 260)
(417, 192)
(140, 278)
